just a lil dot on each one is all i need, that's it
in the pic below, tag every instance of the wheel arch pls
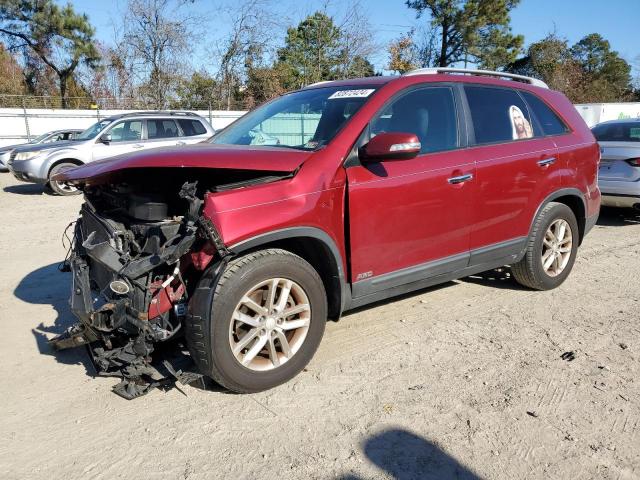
(58, 161)
(316, 247)
(572, 198)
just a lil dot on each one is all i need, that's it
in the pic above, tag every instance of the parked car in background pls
(376, 187)
(45, 138)
(107, 138)
(619, 172)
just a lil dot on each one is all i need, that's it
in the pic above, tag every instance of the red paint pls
(202, 258)
(201, 155)
(405, 212)
(163, 298)
(401, 213)
(381, 146)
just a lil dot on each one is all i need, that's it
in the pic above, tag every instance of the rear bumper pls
(622, 201)
(619, 193)
(619, 187)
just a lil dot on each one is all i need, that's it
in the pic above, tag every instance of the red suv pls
(325, 199)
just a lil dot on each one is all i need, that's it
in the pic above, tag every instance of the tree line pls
(51, 50)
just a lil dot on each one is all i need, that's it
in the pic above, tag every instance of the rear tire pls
(551, 249)
(220, 322)
(61, 188)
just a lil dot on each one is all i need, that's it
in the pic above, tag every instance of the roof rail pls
(157, 112)
(317, 83)
(489, 73)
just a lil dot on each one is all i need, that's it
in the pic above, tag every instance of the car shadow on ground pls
(618, 217)
(496, 278)
(403, 455)
(48, 286)
(26, 189)
(403, 296)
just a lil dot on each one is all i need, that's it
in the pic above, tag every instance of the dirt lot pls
(461, 381)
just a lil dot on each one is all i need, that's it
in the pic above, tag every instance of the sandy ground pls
(461, 381)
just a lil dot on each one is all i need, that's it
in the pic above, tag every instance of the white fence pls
(594, 113)
(18, 125)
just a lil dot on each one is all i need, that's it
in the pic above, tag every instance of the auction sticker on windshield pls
(362, 93)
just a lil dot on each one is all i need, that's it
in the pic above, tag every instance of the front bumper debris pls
(125, 329)
(140, 366)
(75, 336)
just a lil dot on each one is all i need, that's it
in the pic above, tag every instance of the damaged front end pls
(135, 257)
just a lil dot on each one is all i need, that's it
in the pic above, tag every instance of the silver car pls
(619, 172)
(54, 136)
(107, 138)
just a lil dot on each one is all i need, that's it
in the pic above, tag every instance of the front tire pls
(62, 188)
(260, 324)
(551, 249)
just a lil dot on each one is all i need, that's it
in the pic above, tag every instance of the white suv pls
(107, 138)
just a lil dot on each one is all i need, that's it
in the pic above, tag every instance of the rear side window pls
(549, 121)
(429, 113)
(498, 115)
(617, 132)
(191, 127)
(157, 129)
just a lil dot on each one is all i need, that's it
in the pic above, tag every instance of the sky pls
(615, 20)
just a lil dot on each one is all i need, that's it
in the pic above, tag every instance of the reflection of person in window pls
(520, 126)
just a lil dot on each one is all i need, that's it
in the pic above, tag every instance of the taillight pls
(635, 162)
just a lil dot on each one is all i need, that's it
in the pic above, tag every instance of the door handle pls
(546, 162)
(181, 143)
(138, 145)
(460, 179)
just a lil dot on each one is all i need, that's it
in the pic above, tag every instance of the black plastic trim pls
(563, 192)
(408, 275)
(442, 270)
(433, 280)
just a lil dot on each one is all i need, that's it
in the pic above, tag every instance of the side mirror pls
(106, 138)
(391, 146)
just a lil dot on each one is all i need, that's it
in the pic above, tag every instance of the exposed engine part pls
(128, 290)
(74, 336)
(188, 192)
(119, 287)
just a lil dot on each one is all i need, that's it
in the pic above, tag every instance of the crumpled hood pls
(201, 155)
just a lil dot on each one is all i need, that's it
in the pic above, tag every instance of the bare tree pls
(249, 44)
(636, 80)
(357, 40)
(113, 82)
(156, 41)
(11, 79)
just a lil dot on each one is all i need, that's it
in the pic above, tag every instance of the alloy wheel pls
(269, 324)
(556, 247)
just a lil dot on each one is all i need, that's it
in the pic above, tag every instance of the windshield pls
(305, 120)
(617, 132)
(40, 138)
(93, 130)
